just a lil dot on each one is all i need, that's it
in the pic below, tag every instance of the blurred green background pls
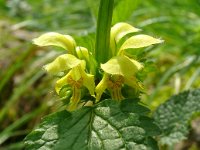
(27, 93)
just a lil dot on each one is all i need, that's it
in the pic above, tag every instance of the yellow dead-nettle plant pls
(120, 69)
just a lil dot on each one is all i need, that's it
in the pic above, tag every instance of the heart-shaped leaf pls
(174, 115)
(105, 126)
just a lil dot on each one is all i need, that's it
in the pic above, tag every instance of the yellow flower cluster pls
(120, 69)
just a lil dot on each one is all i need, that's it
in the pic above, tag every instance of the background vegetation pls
(27, 94)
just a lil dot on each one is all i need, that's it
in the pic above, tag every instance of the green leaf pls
(130, 106)
(174, 115)
(124, 9)
(106, 126)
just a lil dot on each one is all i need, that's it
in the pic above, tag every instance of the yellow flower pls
(76, 76)
(121, 69)
(118, 71)
(113, 84)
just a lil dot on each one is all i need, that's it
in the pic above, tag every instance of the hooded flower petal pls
(82, 53)
(121, 65)
(56, 39)
(118, 31)
(139, 41)
(62, 63)
(121, 29)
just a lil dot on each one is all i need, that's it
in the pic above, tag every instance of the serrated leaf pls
(174, 115)
(138, 41)
(102, 127)
(129, 106)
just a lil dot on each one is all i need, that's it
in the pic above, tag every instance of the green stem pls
(103, 30)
